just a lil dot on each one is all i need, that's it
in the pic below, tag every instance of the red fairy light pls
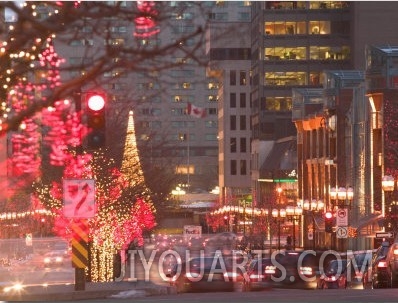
(145, 23)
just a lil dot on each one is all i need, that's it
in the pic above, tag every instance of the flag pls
(195, 111)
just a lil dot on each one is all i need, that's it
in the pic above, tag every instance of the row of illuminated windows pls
(190, 98)
(189, 85)
(307, 53)
(183, 111)
(307, 4)
(277, 104)
(152, 41)
(242, 167)
(292, 78)
(298, 27)
(242, 145)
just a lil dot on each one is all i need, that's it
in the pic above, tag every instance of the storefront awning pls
(369, 220)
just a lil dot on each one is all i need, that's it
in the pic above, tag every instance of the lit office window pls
(242, 78)
(329, 52)
(285, 78)
(319, 27)
(212, 98)
(213, 85)
(285, 53)
(285, 28)
(278, 103)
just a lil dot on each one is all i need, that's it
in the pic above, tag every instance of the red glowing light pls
(96, 102)
(328, 215)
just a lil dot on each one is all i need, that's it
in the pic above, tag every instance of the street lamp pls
(388, 185)
(345, 196)
(294, 213)
(312, 207)
(342, 195)
(279, 215)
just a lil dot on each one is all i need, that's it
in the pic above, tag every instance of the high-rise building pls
(294, 42)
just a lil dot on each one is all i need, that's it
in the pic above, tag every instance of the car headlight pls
(15, 287)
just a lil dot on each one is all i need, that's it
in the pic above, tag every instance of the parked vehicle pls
(259, 275)
(376, 276)
(392, 265)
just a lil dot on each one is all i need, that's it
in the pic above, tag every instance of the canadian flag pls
(195, 111)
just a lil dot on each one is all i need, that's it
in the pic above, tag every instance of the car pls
(259, 275)
(376, 276)
(333, 276)
(205, 273)
(392, 265)
(358, 266)
(346, 271)
(295, 269)
(54, 258)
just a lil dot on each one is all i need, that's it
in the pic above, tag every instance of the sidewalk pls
(92, 290)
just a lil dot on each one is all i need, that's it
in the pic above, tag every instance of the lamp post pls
(294, 213)
(312, 207)
(388, 185)
(279, 215)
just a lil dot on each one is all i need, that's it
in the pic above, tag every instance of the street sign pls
(385, 235)
(79, 198)
(342, 232)
(342, 217)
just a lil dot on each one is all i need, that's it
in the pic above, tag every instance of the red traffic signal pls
(95, 113)
(329, 222)
(328, 215)
(96, 102)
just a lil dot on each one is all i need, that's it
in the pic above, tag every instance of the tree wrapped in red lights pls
(121, 214)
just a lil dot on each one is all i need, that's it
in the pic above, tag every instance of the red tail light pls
(382, 264)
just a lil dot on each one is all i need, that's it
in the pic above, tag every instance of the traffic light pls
(329, 222)
(95, 104)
